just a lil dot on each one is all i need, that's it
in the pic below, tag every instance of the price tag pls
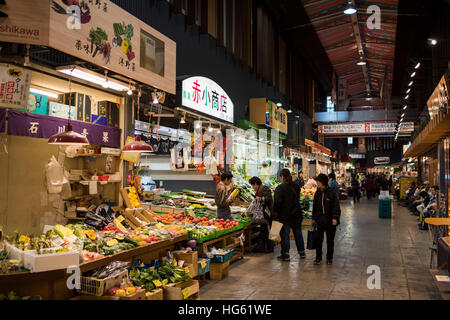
(175, 262)
(112, 242)
(203, 264)
(157, 283)
(120, 218)
(186, 293)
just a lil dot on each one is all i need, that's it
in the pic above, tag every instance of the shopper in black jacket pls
(261, 191)
(326, 216)
(288, 211)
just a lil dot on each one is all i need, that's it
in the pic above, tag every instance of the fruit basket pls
(222, 258)
(99, 287)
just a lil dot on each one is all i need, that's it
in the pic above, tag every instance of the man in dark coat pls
(326, 217)
(288, 211)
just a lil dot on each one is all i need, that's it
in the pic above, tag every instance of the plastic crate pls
(219, 258)
(99, 287)
(384, 208)
(206, 268)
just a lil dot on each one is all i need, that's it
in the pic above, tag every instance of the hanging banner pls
(14, 87)
(365, 128)
(206, 96)
(41, 126)
(2, 120)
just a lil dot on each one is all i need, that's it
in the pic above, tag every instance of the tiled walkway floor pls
(397, 246)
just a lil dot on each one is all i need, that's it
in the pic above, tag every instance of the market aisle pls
(397, 246)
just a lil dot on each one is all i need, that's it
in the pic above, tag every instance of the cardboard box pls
(187, 257)
(218, 271)
(181, 290)
(155, 295)
(193, 269)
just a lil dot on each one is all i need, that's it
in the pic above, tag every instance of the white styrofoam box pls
(54, 261)
(15, 253)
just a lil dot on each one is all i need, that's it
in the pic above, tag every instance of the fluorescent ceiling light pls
(77, 72)
(408, 91)
(407, 97)
(411, 83)
(45, 93)
(417, 66)
(350, 9)
(405, 107)
(361, 63)
(289, 111)
(413, 74)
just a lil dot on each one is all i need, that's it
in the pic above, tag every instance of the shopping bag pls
(257, 210)
(274, 234)
(311, 242)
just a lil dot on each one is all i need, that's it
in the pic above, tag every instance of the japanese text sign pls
(40, 126)
(14, 87)
(206, 96)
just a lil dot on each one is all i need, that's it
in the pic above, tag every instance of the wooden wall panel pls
(220, 23)
(259, 52)
(212, 18)
(282, 74)
(177, 6)
(229, 25)
(191, 11)
(204, 16)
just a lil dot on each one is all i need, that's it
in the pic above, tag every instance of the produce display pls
(151, 278)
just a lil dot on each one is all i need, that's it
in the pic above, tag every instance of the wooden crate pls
(155, 295)
(181, 290)
(139, 295)
(218, 271)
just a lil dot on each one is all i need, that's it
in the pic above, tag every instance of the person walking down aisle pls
(223, 199)
(355, 189)
(287, 210)
(369, 185)
(326, 217)
(262, 191)
(333, 184)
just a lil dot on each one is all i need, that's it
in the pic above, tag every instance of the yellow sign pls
(120, 218)
(203, 264)
(157, 283)
(186, 293)
(404, 183)
(280, 119)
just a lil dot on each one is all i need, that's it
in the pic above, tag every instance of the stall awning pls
(436, 129)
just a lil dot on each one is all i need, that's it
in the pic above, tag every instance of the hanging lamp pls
(137, 146)
(69, 137)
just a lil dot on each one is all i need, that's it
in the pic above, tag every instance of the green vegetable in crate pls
(3, 255)
(131, 241)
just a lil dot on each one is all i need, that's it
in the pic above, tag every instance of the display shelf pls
(85, 182)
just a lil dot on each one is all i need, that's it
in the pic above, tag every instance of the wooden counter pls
(52, 284)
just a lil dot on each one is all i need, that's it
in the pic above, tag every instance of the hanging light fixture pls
(417, 66)
(413, 74)
(137, 146)
(290, 110)
(408, 91)
(183, 119)
(350, 9)
(68, 137)
(405, 107)
(129, 92)
(361, 62)
(411, 83)
(279, 104)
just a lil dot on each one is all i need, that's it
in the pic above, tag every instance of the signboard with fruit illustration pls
(90, 30)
